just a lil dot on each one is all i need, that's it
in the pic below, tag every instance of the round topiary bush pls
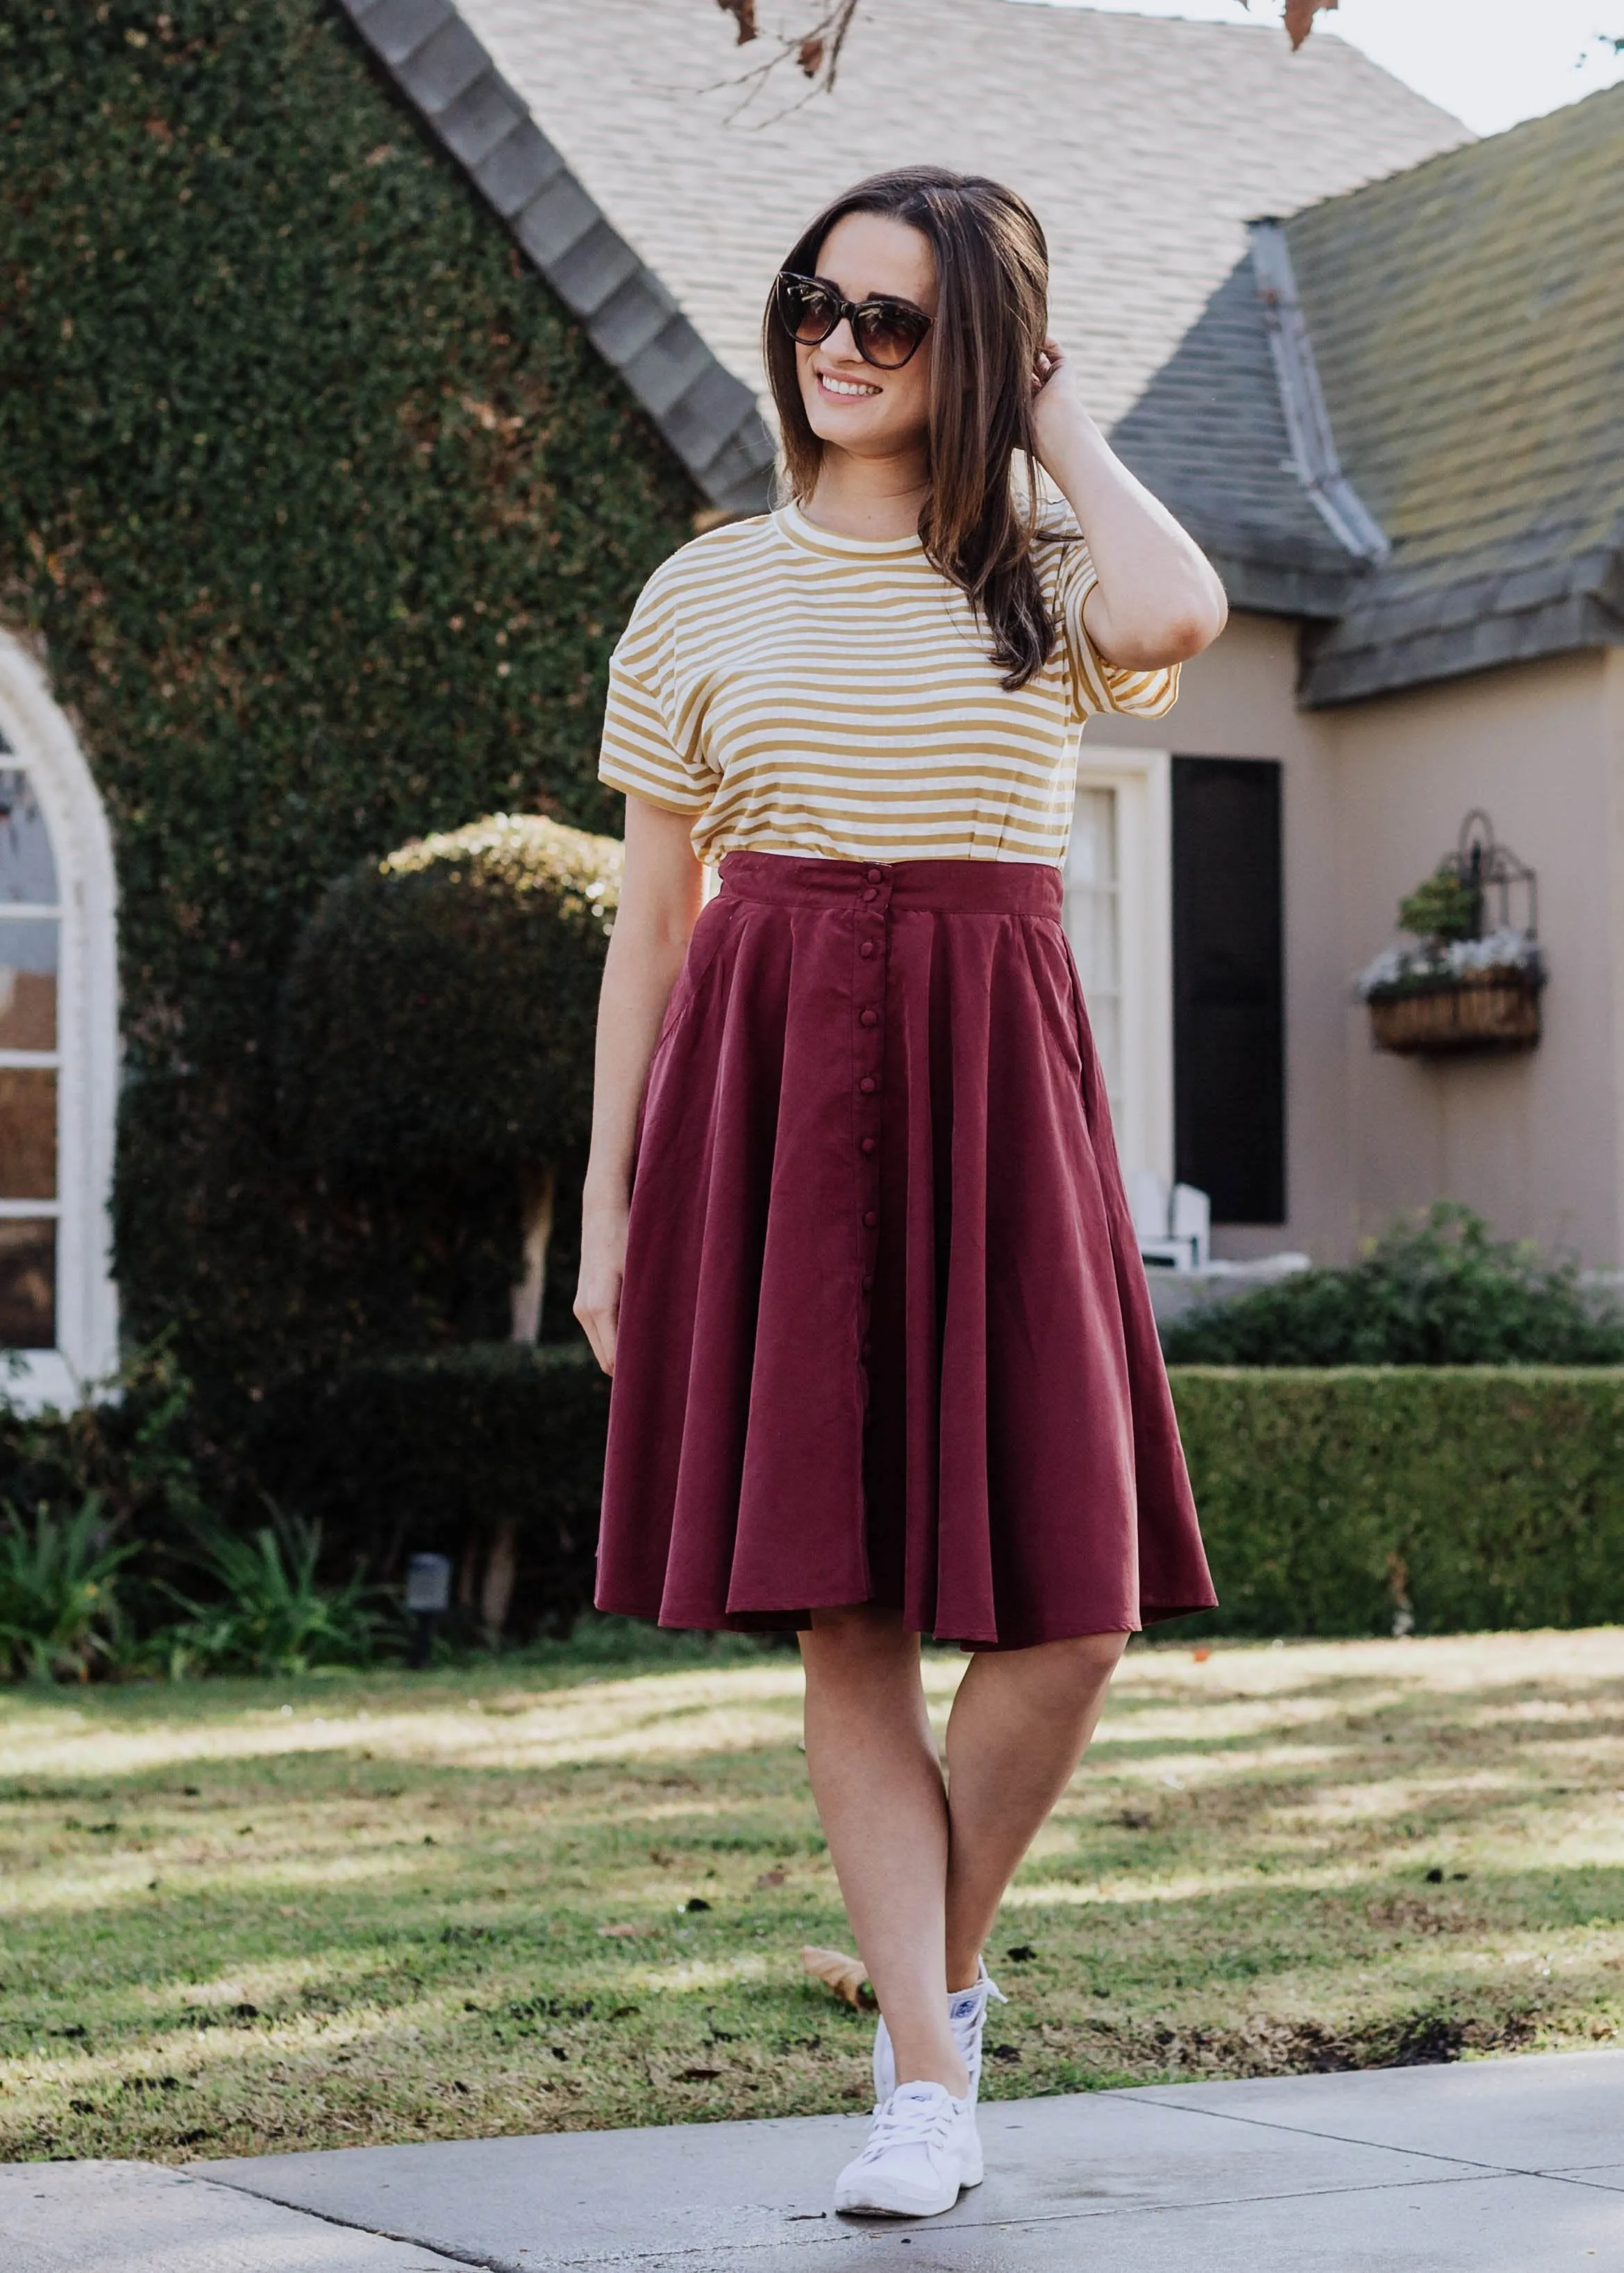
(440, 1015)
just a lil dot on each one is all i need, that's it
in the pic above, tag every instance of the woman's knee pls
(1079, 1662)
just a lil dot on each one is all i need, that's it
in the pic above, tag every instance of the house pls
(1377, 367)
(357, 367)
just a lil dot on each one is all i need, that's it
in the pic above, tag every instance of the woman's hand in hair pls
(1158, 600)
(1055, 400)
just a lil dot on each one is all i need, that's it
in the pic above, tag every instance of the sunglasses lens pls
(888, 336)
(808, 312)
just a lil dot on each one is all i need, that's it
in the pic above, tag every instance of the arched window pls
(59, 1051)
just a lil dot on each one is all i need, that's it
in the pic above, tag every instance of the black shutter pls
(1229, 1022)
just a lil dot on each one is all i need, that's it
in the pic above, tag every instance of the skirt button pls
(868, 1017)
(867, 1084)
(867, 948)
(868, 1144)
(874, 875)
(870, 1217)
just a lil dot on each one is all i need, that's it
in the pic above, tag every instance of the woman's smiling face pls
(849, 403)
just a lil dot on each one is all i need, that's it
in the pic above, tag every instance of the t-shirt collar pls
(800, 531)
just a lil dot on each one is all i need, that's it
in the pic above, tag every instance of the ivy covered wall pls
(327, 517)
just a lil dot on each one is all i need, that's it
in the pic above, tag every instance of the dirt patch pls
(1268, 2047)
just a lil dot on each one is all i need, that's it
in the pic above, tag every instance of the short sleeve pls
(1096, 684)
(644, 751)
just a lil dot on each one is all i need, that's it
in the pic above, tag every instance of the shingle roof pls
(1145, 144)
(1209, 435)
(1468, 321)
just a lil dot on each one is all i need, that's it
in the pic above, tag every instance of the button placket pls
(873, 938)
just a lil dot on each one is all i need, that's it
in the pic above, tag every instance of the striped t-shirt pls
(797, 692)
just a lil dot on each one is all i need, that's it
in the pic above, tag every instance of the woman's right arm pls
(661, 893)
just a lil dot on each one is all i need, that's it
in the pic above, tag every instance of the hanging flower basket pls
(1460, 986)
(1488, 1010)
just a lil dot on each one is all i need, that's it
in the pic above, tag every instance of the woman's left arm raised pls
(1158, 600)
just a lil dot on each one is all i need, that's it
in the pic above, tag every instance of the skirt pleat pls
(884, 1332)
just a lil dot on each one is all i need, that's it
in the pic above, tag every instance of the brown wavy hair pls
(992, 277)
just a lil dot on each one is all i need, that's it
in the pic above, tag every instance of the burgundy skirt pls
(884, 1334)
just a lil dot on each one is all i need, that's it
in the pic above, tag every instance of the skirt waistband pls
(1022, 887)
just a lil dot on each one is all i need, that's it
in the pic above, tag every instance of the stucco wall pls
(1532, 1141)
(1373, 795)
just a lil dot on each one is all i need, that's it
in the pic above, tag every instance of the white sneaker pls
(922, 2148)
(967, 2009)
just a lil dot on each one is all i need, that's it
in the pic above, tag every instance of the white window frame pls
(43, 746)
(1143, 782)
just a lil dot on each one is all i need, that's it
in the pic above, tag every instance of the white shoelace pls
(907, 2122)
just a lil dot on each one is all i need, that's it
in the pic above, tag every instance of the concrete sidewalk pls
(1504, 2166)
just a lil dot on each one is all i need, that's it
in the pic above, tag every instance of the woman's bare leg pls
(877, 1781)
(923, 1869)
(1019, 1724)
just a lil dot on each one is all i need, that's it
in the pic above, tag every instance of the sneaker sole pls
(870, 2208)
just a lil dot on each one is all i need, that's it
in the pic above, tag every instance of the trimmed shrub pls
(1432, 1500)
(491, 1453)
(1437, 1292)
(439, 1022)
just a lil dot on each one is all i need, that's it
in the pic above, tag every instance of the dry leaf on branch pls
(843, 1974)
(1300, 18)
(743, 14)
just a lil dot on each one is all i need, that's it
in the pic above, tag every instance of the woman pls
(882, 1353)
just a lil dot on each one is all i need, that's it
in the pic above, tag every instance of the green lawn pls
(246, 1916)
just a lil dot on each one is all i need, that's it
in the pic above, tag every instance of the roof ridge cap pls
(1302, 400)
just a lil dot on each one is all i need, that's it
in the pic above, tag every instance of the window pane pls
(1091, 918)
(27, 871)
(1092, 858)
(27, 985)
(27, 1134)
(28, 1285)
(1093, 922)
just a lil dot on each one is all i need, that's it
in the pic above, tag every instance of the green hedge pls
(1332, 1503)
(1459, 1498)
(439, 1454)
(328, 515)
